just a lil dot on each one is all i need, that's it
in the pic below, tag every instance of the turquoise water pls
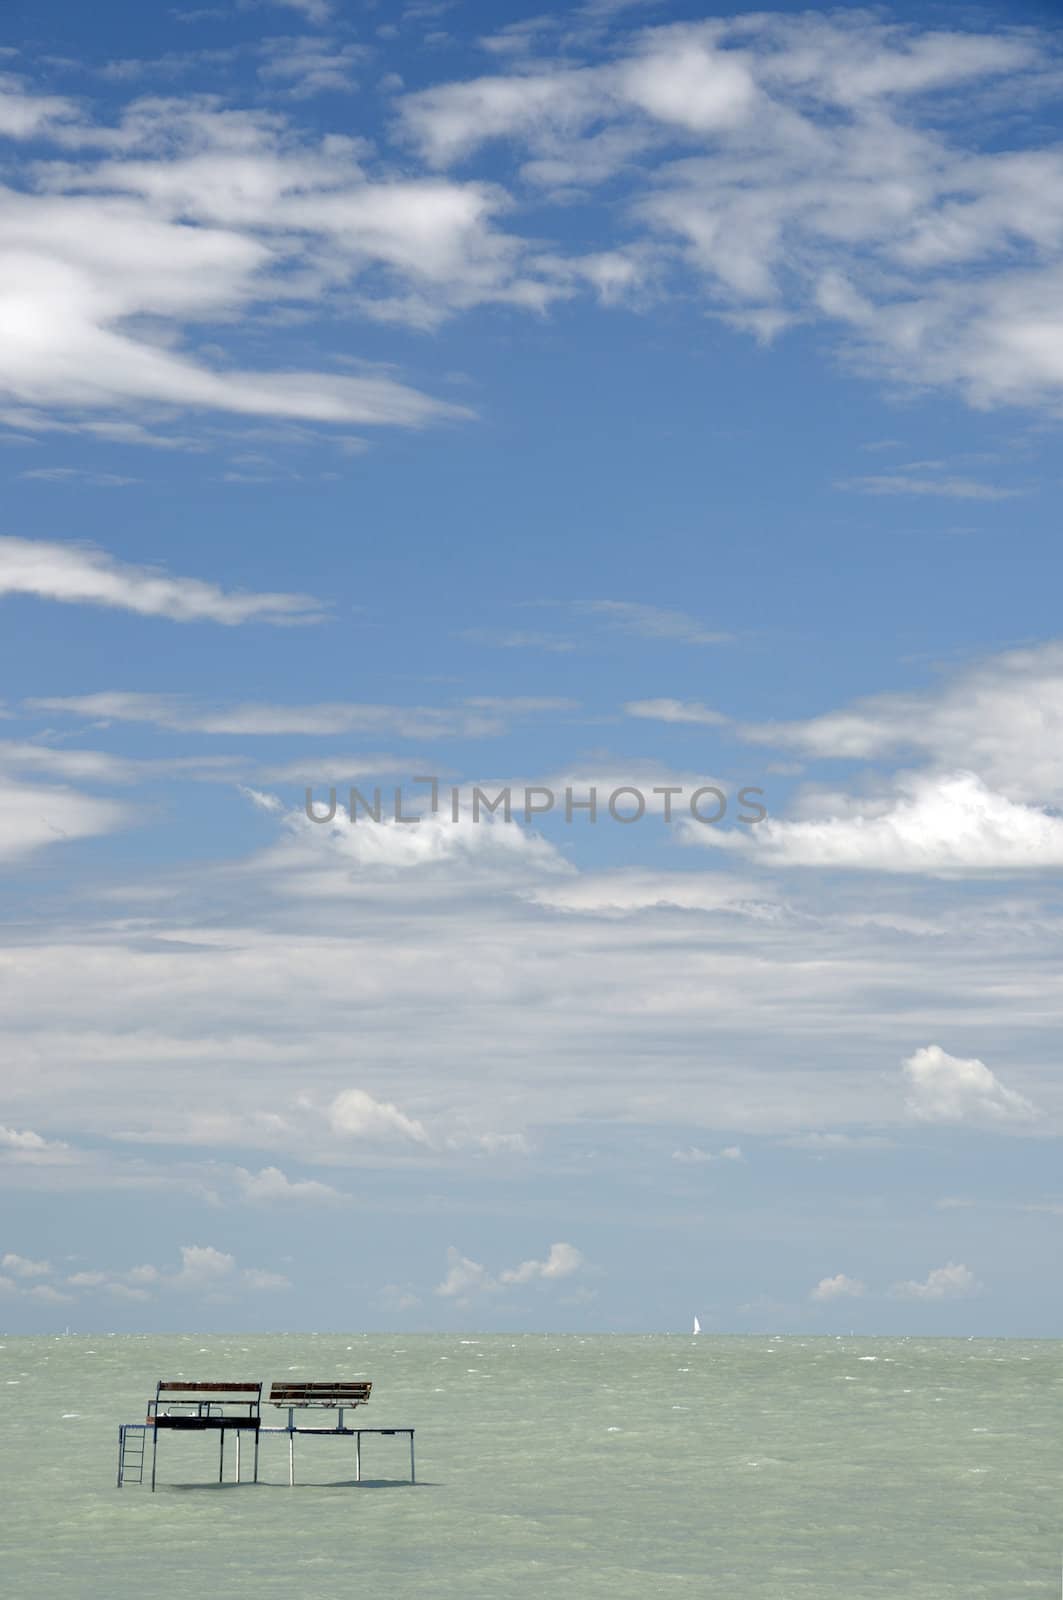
(746, 1468)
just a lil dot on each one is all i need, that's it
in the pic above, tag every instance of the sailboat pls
(697, 1325)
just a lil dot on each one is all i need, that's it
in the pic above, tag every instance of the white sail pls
(697, 1325)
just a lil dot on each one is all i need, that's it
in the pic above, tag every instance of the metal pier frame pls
(291, 1428)
(181, 1406)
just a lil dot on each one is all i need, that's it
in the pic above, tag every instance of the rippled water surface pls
(793, 1469)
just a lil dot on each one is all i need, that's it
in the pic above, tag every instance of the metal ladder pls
(132, 1444)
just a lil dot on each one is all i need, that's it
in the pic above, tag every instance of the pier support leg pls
(238, 1438)
(256, 1455)
(291, 1460)
(154, 1453)
(221, 1455)
(358, 1458)
(413, 1473)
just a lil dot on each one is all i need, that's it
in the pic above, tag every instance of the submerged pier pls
(235, 1409)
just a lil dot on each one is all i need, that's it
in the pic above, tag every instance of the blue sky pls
(627, 396)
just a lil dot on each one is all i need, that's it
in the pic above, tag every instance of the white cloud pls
(812, 182)
(790, 164)
(23, 1267)
(355, 1114)
(676, 711)
(99, 480)
(26, 1148)
(628, 891)
(562, 1260)
(336, 769)
(24, 115)
(202, 1268)
(466, 1279)
(319, 857)
(45, 1291)
(840, 1287)
(694, 1156)
(396, 1297)
(195, 214)
(1001, 718)
(682, 79)
(271, 1185)
(820, 1143)
(651, 622)
(309, 66)
(255, 1278)
(317, 11)
(79, 574)
(951, 825)
(255, 718)
(941, 488)
(951, 1282)
(261, 801)
(32, 817)
(944, 1088)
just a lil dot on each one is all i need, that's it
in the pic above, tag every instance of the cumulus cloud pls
(79, 574)
(23, 1266)
(466, 1279)
(840, 1287)
(1001, 717)
(270, 1186)
(202, 1268)
(694, 1156)
(951, 1282)
(561, 1262)
(944, 1088)
(31, 1149)
(206, 1270)
(356, 1115)
(950, 825)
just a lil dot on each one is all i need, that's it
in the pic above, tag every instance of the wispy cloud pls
(692, 711)
(940, 488)
(81, 575)
(651, 622)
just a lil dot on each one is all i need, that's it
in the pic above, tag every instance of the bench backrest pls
(331, 1394)
(168, 1387)
(207, 1399)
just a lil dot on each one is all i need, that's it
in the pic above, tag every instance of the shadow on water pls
(279, 1483)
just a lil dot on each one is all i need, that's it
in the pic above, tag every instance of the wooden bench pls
(331, 1396)
(187, 1407)
(335, 1395)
